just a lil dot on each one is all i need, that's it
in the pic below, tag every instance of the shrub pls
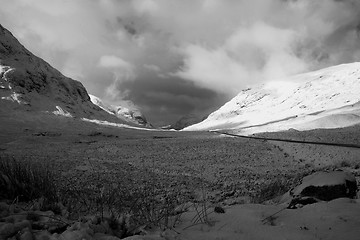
(271, 190)
(343, 164)
(25, 180)
(133, 203)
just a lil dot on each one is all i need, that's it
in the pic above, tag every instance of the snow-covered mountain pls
(28, 85)
(127, 111)
(327, 98)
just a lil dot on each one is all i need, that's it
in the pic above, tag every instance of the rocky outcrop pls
(323, 186)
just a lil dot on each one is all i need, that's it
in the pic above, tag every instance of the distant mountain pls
(186, 121)
(29, 84)
(127, 111)
(327, 98)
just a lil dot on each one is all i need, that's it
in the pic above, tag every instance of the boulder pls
(324, 186)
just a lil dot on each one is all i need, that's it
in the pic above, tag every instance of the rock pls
(324, 186)
(183, 207)
(219, 209)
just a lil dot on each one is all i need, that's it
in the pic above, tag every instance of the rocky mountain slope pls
(28, 85)
(327, 98)
(128, 112)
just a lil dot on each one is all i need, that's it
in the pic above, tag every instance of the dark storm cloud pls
(173, 57)
(165, 99)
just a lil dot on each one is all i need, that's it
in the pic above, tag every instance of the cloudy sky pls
(176, 57)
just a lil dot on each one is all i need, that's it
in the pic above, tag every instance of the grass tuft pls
(271, 190)
(26, 181)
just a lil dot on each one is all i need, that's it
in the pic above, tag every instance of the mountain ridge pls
(129, 113)
(28, 84)
(303, 102)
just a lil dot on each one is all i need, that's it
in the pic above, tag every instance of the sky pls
(177, 57)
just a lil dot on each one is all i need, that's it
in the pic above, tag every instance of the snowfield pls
(120, 125)
(327, 98)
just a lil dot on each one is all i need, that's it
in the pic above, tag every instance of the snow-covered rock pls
(126, 111)
(61, 112)
(327, 98)
(326, 186)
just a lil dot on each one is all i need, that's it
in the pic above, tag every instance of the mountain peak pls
(126, 111)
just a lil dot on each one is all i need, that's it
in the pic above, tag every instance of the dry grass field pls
(228, 167)
(140, 178)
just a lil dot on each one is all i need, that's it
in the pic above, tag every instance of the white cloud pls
(145, 6)
(220, 45)
(212, 69)
(152, 67)
(252, 54)
(122, 71)
(113, 62)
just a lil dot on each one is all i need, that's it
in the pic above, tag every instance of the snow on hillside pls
(119, 125)
(127, 112)
(327, 98)
(28, 84)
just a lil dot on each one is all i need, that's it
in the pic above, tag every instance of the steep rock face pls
(29, 83)
(128, 113)
(327, 98)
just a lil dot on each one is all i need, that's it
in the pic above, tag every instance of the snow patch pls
(106, 123)
(98, 102)
(15, 97)
(4, 70)
(61, 112)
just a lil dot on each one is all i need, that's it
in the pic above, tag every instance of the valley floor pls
(230, 170)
